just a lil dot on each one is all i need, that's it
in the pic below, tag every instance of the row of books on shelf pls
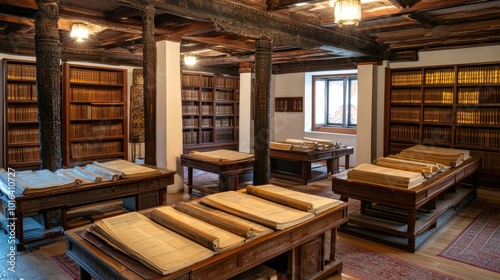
(24, 92)
(405, 114)
(21, 72)
(479, 74)
(96, 95)
(440, 76)
(27, 135)
(406, 96)
(442, 115)
(404, 132)
(190, 137)
(194, 122)
(197, 80)
(483, 95)
(23, 154)
(193, 109)
(190, 94)
(465, 75)
(436, 135)
(89, 112)
(224, 109)
(442, 96)
(480, 116)
(83, 130)
(225, 82)
(92, 76)
(225, 135)
(478, 137)
(95, 148)
(224, 122)
(225, 95)
(489, 159)
(407, 78)
(22, 114)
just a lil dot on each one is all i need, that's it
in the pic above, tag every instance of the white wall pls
(287, 124)
(169, 111)
(245, 122)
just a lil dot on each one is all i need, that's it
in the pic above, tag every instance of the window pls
(335, 100)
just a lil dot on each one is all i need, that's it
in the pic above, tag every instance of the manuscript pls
(291, 198)
(267, 213)
(229, 222)
(157, 247)
(206, 234)
(221, 156)
(383, 176)
(127, 169)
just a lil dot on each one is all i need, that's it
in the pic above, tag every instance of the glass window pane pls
(353, 114)
(335, 101)
(319, 105)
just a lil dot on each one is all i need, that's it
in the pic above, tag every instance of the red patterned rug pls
(366, 264)
(479, 243)
(357, 262)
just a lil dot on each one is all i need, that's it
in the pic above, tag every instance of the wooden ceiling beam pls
(282, 30)
(273, 5)
(222, 40)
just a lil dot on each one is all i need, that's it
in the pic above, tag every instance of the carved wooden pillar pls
(149, 69)
(48, 76)
(262, 130)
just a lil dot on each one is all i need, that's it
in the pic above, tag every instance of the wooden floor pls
(36, 263)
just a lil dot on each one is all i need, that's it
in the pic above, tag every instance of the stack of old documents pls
(220, 156)
(383, 176)
(446, 156)
(169, 238)
(29, 181)
(426, 168)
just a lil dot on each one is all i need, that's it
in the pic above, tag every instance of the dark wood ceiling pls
(221, 33)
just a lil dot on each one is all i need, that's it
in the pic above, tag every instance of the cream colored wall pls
(245, 107)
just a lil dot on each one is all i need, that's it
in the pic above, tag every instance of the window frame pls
(347, 129)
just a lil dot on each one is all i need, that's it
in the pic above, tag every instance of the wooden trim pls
(341, 130)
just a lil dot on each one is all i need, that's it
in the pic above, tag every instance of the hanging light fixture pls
(79, 31)
(189, 60)
(346, 12)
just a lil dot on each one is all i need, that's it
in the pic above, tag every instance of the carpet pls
(479, 243)
(366, 264)
(357, 262)
(68, 265)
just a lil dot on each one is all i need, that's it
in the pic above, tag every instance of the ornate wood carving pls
(262, 132)
(149, 68)
(48, 53)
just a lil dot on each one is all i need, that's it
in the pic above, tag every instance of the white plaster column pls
(365, 146)
(169, 111)
(245, 126)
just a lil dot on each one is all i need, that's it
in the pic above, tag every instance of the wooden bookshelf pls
(210, 109)
(21, 143)
(94, 114)
(288, 104)
(455, 106)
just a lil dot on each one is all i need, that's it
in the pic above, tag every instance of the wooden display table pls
(298, 252)
(296, 164)
(229, 171)
(137, 193)
(407, 218)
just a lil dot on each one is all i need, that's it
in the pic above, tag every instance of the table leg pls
(346, 162)
(412, 220)
(84, 275)
(190, 180)
(306, 172)
(228, 182)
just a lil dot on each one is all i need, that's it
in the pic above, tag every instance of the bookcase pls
(455, 106)
(21, 143)
(210, 111)
(288, 104)
(94, 114)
